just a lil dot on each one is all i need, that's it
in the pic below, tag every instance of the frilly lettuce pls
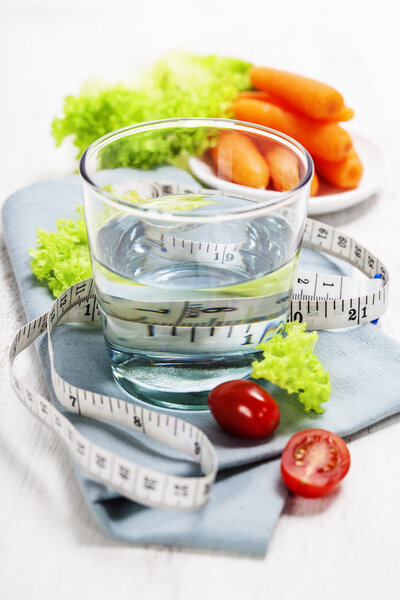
(290, 363)
(180, 85)
(61, 257)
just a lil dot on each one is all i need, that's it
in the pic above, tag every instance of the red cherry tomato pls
(244, 409)
(314, 462)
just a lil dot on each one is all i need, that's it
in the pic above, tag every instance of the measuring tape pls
(329, 301)
(138, 483)
(323, 301)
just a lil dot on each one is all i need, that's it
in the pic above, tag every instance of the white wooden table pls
(347, 545)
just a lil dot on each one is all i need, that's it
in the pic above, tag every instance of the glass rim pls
(258, 208)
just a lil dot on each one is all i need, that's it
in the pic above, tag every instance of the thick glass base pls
(178, 382)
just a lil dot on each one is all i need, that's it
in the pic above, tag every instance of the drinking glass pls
(193, 251)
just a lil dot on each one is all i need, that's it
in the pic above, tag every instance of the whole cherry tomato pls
(314, 462)
(244, 409)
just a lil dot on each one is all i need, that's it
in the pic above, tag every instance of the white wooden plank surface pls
(344, 546)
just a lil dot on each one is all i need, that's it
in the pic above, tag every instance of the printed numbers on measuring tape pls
(350, 301)
(323, 301)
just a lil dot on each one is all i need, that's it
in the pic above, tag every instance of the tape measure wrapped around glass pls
(141, 484)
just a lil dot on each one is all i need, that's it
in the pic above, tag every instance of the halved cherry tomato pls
(314, 462)
(244, 409)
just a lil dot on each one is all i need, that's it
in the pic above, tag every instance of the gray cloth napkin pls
(248, 495)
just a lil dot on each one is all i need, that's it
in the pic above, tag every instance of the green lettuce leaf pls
(61, 257)
(180, 85)
(290, 363)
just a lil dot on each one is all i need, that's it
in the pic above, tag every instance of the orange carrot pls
(314, 185)
(283, 168)
(345, 113)
(315, 99)
(257, 95)
(345, 174)
(324, 140)
(237, 159)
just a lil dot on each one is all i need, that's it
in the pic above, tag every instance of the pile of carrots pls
(302, 108)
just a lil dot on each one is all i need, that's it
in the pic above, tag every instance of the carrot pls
(257, 95)
(314, 185)
(345, 113)
(237, 159)
(283, 168)
(345, 174)
(324, 140)
(315, 99)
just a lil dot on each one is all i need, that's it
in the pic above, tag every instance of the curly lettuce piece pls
(290, 363)
(180, 85)
(61, 257)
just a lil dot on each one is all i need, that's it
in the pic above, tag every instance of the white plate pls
(329, 199)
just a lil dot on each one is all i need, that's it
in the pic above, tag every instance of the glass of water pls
(194, 246)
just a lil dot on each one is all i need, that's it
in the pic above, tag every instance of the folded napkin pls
(248, 495)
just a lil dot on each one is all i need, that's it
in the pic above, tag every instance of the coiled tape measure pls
(323, 301)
